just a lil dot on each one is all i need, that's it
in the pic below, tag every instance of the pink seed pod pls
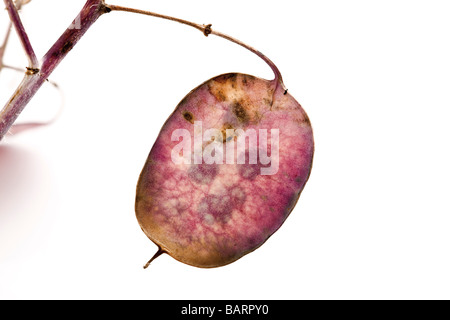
(212, 195)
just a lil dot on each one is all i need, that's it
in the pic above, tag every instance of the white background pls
(373, 221)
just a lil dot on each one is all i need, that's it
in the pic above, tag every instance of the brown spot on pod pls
(226, 78)
(188, 116)
(225, 135)
(240, 112)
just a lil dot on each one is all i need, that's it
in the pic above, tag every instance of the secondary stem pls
(206, 29)
(33, 63)
(92, 10)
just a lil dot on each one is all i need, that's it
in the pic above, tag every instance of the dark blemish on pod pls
(257, 116)
(225, 127)
(226, 77)
(185, 100)
(306, 120)
(240, 112)
(218, 91)
(248, 80)
(221, 96)
(188, 116)
(268, 102)
(291, 202)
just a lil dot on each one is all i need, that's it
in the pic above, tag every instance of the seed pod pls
(208, 193)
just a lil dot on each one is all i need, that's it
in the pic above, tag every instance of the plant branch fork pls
(13, 11)
(38, 72)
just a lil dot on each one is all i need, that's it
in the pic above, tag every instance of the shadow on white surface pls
(23, 196)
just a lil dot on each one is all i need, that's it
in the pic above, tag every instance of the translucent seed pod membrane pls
(226, 170)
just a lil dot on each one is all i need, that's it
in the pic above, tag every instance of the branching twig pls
(33, 63)
(21, 127)
(31, 82)
(92, 10)
(206, 30)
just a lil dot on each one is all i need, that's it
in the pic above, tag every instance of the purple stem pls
(17, 22)
(32, 81)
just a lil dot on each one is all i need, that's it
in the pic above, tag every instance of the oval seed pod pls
(226, 170)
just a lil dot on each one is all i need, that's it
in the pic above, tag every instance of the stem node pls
(32, 71)
(207, 30)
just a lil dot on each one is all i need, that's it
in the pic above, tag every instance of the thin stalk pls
(92, 10)
(156, 255)
(33, 62)
(207, 30)
(19, 4)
